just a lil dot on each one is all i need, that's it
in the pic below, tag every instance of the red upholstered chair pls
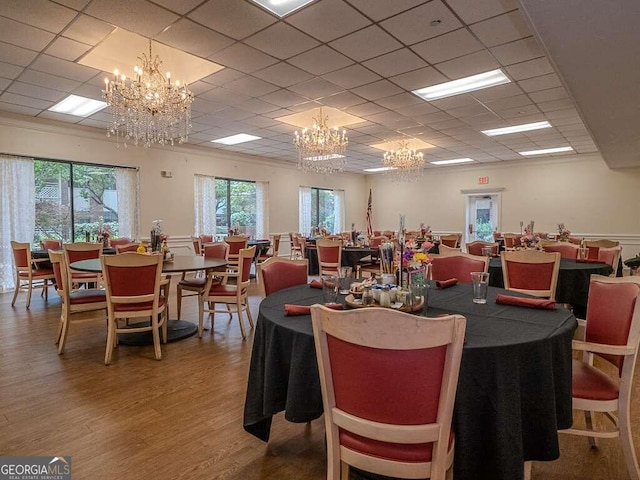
(329, 256)
(594, 246)
(126, 247)
(82, 251)
(612, 332)
(278, 273)
(511, 240)
(196, 284)
(120, 241)
(197, 245)
(388, 399)
(133, 291)
(228, 294)
(460, 266)
(452, 240)
(206, 238)
(475, 248)
(610, 256)
(236, 243)
(28, 275)
(565, 249)
(576, 240)
(77, 305)
(273, 250)
(50, 244)
(531, 271)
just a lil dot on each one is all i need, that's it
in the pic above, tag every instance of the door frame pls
(468, 194)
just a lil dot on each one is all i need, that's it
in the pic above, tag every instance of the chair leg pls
(29, 291)
(200, 315)
(15, 292)
(59, 332)
(246, 306)
(155, 331)
(63, 333)
(111, 333)
(239, 312)
(628, 449)
(179, 300)
(593, 441)
(345, 471)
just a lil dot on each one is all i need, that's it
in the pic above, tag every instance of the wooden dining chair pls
(512, 240)
(444, 250)
(206, 238)
(612, 333)
(115, 242)
(51, 244)
(531, 271)
(329, 256)
(296, 247)
(273, 249)
(132, 282)
(28, 274)
(594, 246)
(76, 305)
(475, 248)
(610, 256)
(457, 265)
(126, 247)
(452, 240)
(565, 249)
(82, 251)
(278, 273)
(388, 399)
(236, 243)
(230, 295)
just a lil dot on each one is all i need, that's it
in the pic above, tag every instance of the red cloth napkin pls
(588, 260)
(446, 283)
(291, 310)
(526, 302)
(315, 284)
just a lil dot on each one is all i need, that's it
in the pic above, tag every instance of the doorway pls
(482, 216)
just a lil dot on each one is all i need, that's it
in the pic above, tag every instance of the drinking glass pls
(330, 288)
(344, 279)
(486, 251)
(480, 281)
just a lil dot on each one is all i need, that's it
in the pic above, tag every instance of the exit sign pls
(483, 180)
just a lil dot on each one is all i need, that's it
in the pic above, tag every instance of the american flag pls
(369, 227)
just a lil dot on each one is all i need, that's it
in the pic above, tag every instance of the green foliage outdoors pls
(484, 231)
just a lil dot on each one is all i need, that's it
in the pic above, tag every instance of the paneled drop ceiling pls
(361, 57)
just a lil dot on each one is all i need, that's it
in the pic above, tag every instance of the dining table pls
(573, 280)
(514, 386)
(176, 329)
(350, 257)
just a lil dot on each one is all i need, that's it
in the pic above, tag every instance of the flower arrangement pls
(156, 236)
(104, 232)
(233, 231)
(414, 259)
(530, 239)
(563, 233)
(425, 230)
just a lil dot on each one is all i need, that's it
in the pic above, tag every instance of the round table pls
(573, 281)
(350, 257)
(176, 329)
(514, 389)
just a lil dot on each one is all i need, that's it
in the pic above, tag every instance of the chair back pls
(245, 259)
(275, 244)
(610, 256)
(126, 247)
(531, 271)
(50, 244)
(329, 256)
(388, 399)
(82, 251)
(511, 240)
(120, 241)
(205, 238)
(236, 243)
(60, 272)
(475, 248)
(594, 246)
(197, 245)
(21, 255)
(452, 240)
(460, 266)
(216, 250)
(565, 249)
(375, 242)
(277, 273)
(444, 250)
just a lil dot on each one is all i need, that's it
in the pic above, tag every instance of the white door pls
(482, 217)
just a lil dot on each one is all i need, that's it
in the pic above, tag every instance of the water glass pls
(486, 251)
(480, 282)
(330, 288)
(344, 279)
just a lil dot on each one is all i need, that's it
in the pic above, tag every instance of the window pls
(235, 206)
(321, 207)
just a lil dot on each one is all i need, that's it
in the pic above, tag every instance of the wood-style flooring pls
(178, 418)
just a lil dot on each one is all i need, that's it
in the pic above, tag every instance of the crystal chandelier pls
(149, 108)
(404, 164)
(321, 149)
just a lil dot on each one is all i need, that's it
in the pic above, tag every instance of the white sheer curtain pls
(17, 211)
(204, 189)
(262, 210)
(128, 206)
(338, 211)
(304, 211)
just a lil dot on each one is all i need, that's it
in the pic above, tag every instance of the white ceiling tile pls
(468, 110)
(64, 68)
(316, 88)
(471, 64)
(375, 90)
(179, 6)
(540, 83)
(9, 71)
(142, 18)
(501, 29)
(25, 101)
(513, 113)
(222, 77)
(352, 76)
(396, 102)
(472, 11)
(381, 9)
(548, 95)
(34, 91)
(17, 33)
(67, 49)
(21, 109)
(368, 108)
(418, 24)
(337, 19)
(193, 38)
(251, 86)
(423, 77)
(395, 63)
(283, 98)
(4, 83)
(412, 111)
(50, 81)
(508, 102)
(366, 43)
(38, 13)
(555, 105)
(75, 4)
(283, 74)
(231, 17)
(320, 60)
(89, 91)
(518, 51)
(450, 45)
(16, 55)
(500, 91)
(343, 100)
(224, 96)
(88, 30)
(243, 57)
(282, 41)
(531, 68)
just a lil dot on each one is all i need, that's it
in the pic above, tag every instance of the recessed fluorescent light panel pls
(235, 139)
(282, 8)
(379, 169)
(525, 127)
(463, 85)
(78, 106)
(452, 162)
(547, 150)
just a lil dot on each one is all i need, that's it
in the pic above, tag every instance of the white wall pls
(171, 199)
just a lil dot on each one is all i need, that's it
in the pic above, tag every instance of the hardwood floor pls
(178, 418)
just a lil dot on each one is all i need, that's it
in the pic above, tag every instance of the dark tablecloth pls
(573, 281)
(350, 257)
(514, 389)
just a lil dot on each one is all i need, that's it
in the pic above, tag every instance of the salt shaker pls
(385, 297)
(367, 296)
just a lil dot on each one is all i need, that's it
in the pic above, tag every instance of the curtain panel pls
(128, 202)
(204, 197)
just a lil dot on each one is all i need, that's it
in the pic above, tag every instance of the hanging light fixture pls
(404, 164)
(148, 108)
(321, 149)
